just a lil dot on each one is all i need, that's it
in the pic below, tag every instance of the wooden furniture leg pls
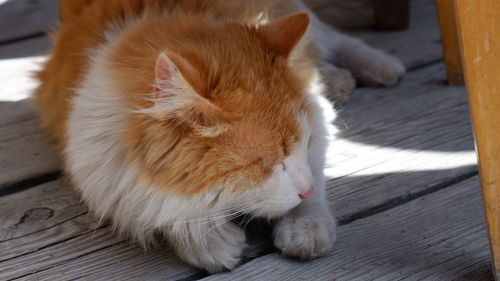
(479, 35)
(449, 38)
(391, 14)
(69, 8)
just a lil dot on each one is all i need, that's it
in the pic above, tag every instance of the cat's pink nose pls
(306, 194)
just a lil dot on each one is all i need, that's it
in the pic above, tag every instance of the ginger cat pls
(175, 116)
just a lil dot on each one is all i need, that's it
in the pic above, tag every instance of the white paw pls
(371, 66)
(305, 236)
(378, 68)
(214, 249)
(339, 83)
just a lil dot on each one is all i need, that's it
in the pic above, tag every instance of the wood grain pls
(25, 151)
(449, 36)
(479, 26)
(436, 237)
(400, 141)
(51, 236)
(47, 212)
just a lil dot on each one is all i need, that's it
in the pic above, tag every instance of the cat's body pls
(173, 116)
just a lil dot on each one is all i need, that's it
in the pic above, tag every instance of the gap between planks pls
(23, 38)
(31, 182)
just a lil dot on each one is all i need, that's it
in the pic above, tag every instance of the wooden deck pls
(402, 179)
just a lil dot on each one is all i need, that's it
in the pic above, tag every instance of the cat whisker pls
(228, 220)
(239, 210)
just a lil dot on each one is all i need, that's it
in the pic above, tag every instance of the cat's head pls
(229, 118)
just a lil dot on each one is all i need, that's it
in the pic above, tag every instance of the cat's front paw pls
(213, 248)
(339, 83)
(305, 236)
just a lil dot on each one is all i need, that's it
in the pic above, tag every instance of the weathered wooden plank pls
(399, 141)
(26, 48)
(51, 237)
(25, 18)
(437, 237)
(47, 213)
(120, 261)
(24, 149)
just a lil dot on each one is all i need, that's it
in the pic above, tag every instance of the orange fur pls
(249, 94)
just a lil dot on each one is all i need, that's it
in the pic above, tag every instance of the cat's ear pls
(177, 89)
(283, 35)
(177, 82)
